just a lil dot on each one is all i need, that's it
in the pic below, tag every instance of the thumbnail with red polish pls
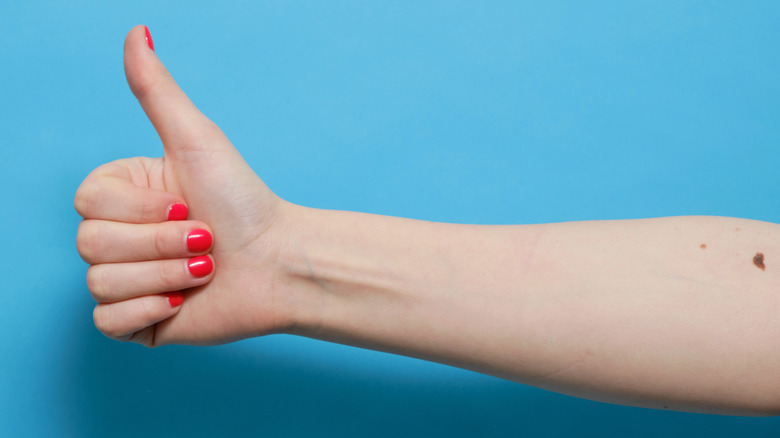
(174, 298)
(199, 240)
(177, 212)
(200, 266)
(149, 38)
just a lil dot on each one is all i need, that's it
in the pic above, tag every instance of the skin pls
(667, 313)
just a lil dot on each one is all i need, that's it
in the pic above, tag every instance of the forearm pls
(631, 312)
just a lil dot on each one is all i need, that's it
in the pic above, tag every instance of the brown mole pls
(758, 260)
(703, 246)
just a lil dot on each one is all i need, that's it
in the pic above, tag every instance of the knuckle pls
(87, 241)
(167, 277)
(149, 312)
(142, 89)
(159, 243)
(85, 198)
(211, 132)
(202, 135)
(96, 282)
(147, 208)
(103, 316)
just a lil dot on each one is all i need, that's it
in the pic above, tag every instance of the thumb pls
(201, 164)
(180, 125)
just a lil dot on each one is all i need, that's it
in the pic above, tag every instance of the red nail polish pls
(199, 240)
(149, 39)
(200, 266)
(177, 212)
(174, 298)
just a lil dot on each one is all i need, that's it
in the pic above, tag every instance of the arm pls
(631, 312)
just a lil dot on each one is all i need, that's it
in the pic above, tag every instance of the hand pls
(137, 255)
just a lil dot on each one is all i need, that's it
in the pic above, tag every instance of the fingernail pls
(200, 266)
(174, 298)
(149, 39)
(199, 240)
(177, 212)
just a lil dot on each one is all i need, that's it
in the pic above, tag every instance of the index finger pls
(108, 196)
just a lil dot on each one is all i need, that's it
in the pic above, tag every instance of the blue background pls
(507, 112)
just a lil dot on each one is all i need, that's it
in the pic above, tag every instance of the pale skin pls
(667, 313)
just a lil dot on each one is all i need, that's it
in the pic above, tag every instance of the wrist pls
(299, 288)
(333, 264)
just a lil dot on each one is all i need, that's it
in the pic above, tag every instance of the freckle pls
(703, 246)
(666, 407)
(736, 229)
(758, 260)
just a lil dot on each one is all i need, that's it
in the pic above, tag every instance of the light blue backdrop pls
(506, 112)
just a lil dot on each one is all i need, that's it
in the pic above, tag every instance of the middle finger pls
(100, 241)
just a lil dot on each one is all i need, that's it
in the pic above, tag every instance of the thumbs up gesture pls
(182, 248)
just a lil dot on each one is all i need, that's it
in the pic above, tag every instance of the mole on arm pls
(758, 260)
(703, 246)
